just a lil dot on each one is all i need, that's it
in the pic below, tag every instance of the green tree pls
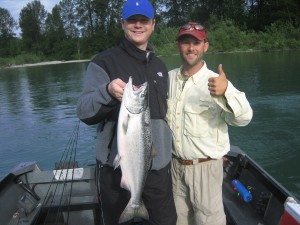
(7, 24)
(100, 23)
(175, 11)
(234, 10)
(109, 13)
(55, 32)
(32, 24)
(8, 44)
(87, 17)
(263, 13)
(69, 15)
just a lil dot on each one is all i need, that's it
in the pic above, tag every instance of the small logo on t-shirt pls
(160, 74)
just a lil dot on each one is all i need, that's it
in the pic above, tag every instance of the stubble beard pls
(191, 63)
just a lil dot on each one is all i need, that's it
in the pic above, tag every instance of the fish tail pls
(131, 212)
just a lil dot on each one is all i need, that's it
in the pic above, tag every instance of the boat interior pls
(68, 195)
(59, 196)
(267, 196)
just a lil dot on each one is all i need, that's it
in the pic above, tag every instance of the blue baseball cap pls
(137, 7)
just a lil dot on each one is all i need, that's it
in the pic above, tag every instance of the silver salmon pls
(134, 137)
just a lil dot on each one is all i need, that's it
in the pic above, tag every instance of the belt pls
(192, 162)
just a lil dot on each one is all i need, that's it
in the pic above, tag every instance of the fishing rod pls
(66, 165)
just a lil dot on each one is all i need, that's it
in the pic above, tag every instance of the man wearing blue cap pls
(100, 101)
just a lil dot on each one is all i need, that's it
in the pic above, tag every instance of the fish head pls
(135, 98)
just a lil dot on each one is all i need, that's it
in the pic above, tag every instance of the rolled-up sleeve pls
(239, 112)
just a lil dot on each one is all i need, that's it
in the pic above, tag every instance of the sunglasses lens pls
(186, 26)
(194, 26)
(198, 27)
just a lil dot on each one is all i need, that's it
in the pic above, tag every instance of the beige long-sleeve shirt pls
(199, 120)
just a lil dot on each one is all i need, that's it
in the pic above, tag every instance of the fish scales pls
(134, 148)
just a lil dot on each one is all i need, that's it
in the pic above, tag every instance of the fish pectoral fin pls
(117, 161)
(125, 123)
(124, 184)
(153, 151)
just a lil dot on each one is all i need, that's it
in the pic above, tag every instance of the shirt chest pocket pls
(196, 120)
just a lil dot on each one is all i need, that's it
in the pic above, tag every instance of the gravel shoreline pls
(46, 63)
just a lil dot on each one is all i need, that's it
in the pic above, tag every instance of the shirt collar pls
(135, 52)
(197, 76)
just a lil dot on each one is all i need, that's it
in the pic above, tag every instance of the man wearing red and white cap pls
(201, 105)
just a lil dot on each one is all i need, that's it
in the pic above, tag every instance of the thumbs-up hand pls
(218, 85)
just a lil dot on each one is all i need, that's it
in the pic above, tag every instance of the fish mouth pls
(135, 98)
(138, 89)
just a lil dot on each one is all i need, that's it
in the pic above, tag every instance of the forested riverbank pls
(77, 29)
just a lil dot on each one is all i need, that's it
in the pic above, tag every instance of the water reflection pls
(37, 109)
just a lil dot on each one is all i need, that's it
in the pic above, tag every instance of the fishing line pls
(71, 189)
(61, 164)
(73, 144)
